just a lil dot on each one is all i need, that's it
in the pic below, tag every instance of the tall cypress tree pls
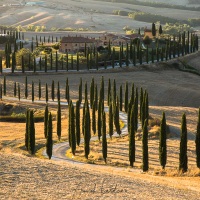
(39, 90)
(59, 129)
(78, 133)
(162, 143)
(126, 98)
(132, 138)
(26, 88)
(33, 91)
(153, 29)
(31, 133)
(94, 119)
(4, 85)
(46, 115)
(27, 128)
(99, 119)
(15, 89)
(104, 139)
(52, 90)
(58, 91)
(197, 142)
(92, 93)
(110, 120)
(19, 91)
(183, 159)
(47, 96)
(80, 91)
(87, 132)
(67, 97)
(109, 92)
(49, 141)
(121, 98)
(72, 131)
(116, 117)
(56, 61)
(114, 96)
(145, 156)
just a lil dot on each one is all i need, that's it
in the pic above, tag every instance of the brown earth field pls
(170, 89)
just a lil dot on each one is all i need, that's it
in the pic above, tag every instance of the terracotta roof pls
(77, 39)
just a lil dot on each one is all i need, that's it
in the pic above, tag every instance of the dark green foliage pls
(104, 140)
(136, 109)
(102, 89)
(80, 91)
(72, 130)
(87, 132)
(31, 133)
(141, 102)
(56, 61)
(120, 98)
(78, 133)
(58, 92)
(183, 159)
(39, 90)
(47, 96)
(99, 119)
(110, 120)
(27, 126)
(114, 91)
(59, 129)
(116, 118)
(0, 91)
(69, 124)
(77, 64)
(96, 96)
(15, 89)
(32, 91)
(197, 142)
(1, 67)
(86, 93)
(19, 91)
(46, 115)
(126, 98)
(132, 93)
(162, 143)
(67, 97)
(160, 29)
(72, 62)
(145, 156)
(94, 119)
(49, 141)
(13, 63)
(92, 92)
(4, 85)
(153, 29)
(132, 137)
(23, 70)
(26, 88)
(52, 90)
(109, 92)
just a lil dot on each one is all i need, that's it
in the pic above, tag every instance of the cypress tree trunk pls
(94, 119)
(49, 141)
(162, 143)
(78, 133)
(126, 98)
(132, 138)
(46, 115)
(33, 91)
(145, 156)
(59, 129)
(52, 90)
(104, 140)
(183, 160)
(197, 142)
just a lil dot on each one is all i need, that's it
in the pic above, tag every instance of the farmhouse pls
(76, 43)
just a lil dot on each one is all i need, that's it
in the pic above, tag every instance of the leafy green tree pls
(183, 159)
(197, 142)
(104, 140)
(49, 140)
(162, 143)
(145, 155)
(59, 125)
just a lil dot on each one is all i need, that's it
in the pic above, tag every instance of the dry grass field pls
(25, 177)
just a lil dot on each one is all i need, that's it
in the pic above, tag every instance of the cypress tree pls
(183, 160)
(39, 90)
(92, 92)
(78, 133)
(145, 156)
(72, 131)
(4, 85)
(141, 101)
(87, 133)
(72, 62)
(109, 92)
(67, 97)
(104, 140)
(27, 128)
(80, 91)
(110, 120)
(47, 97)
(96, 97)
(34, 65)
(58, 91)
(52, 90)
(15, 89)
(45, 65)
(160, 30)
(33, 91)
(99, 119)
(23, 70)
(132, 93)
(26, 88)
(77, 62)
(59, 129)
(56, 61)
(197, 141)
(147, 54)
(13, 63)
(49, 141)
(93, 118)
(132, 138)
(153, 29)
(86, 93)
(121, 98)
(67, 62)
(46, 115)
(126, 98)
(102, 88)
(69, 123)
(31, 133)
(0, 91)
(114, 92)
(116, 118)
(83, 119)
(162, 143)
(19, 91)
(147, 107)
